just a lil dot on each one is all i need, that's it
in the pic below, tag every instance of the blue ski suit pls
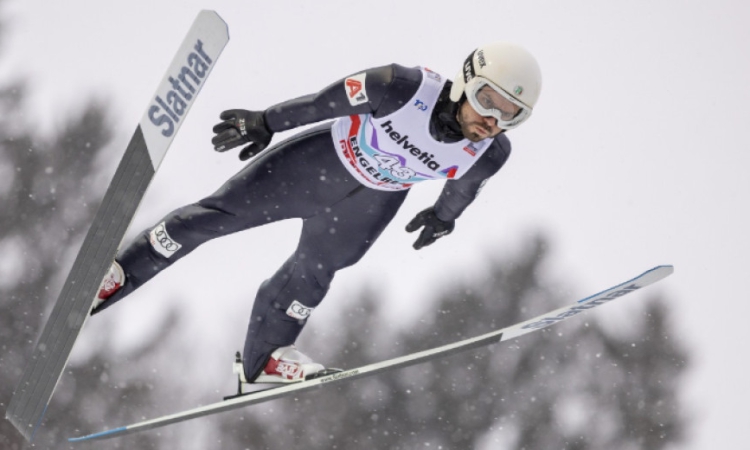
(306, 177)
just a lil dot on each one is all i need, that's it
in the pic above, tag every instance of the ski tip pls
(100, 435)
(664, 269)
(209, 15)
(654, 275)
(646, 278)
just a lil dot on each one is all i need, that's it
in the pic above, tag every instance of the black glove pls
(434, 228)
(239, 127)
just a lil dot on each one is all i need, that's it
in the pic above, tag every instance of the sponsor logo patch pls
(480, 59)
(470, 149)
(299, 311)
(162, 242)
(355, 89)
(424, 157)
(289, 370)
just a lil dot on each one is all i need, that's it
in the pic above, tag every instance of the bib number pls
(394, 167)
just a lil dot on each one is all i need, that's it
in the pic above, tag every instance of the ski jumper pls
(345, 179)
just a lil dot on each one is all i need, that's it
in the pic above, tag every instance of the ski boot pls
(286, 365)
(111, 283)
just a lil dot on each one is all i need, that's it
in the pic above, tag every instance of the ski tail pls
(153, 135)
(30, 399)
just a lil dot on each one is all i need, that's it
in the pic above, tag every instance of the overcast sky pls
(636, 155)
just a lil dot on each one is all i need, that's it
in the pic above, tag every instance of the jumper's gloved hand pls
(240, 127)
(434, 228)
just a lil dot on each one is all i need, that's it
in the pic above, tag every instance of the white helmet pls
(511, 72)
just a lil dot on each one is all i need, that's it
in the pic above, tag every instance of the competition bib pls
(394, 152)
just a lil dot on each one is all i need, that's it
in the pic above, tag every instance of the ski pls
(176, 93)
(511, 332)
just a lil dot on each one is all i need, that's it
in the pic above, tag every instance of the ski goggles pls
(490, 100)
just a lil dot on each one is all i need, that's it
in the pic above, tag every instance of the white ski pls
(165, 113)
(511, 332)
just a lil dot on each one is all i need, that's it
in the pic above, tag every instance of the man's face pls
(474, 126)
